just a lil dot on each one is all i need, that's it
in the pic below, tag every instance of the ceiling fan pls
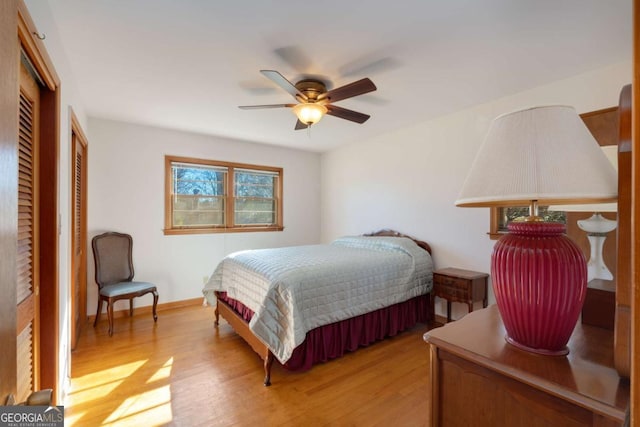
(314, 101)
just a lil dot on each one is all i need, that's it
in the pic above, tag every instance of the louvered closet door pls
(28, 326)
(79, 258)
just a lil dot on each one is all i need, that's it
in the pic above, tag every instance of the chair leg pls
(95, 321)
(130, 307)
(155, 305)
(110, 314)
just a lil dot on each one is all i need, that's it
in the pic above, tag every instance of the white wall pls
(69, 98)
(408, 180)
(126, 194)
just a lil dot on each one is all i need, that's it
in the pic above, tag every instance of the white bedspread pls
(296, 289)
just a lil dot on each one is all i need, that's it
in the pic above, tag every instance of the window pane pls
(255, 203)
(249, 211)
(198, 211)
(198, 195)
(198, 180)
(254, 184)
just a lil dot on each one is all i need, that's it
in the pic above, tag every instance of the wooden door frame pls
(9, 67)
(48, 195)
(76, 129)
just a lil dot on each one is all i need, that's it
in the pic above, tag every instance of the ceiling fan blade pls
(295, 57)
(366, 66)
(343, 113)
(347, 91)
(300, 125)
(285, 84)
(256, 107)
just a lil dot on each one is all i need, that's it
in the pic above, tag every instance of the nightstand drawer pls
(446, 291)
(453, 282)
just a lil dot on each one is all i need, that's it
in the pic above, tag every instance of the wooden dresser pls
(477, 379)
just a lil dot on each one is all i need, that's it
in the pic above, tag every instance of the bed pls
(308, 304)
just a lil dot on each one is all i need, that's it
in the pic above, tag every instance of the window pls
(502, 216)
(208, 196)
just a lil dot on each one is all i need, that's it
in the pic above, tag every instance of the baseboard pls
(148, 308)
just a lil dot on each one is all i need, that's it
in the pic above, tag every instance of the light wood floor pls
(183, 371)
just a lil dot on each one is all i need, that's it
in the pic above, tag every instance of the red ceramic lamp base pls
(540, 282)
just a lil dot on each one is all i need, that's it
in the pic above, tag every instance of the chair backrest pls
(113, 259)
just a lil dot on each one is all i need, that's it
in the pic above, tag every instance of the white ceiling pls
(188, 64)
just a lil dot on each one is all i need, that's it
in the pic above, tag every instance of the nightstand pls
(599, 307)
(457, 285)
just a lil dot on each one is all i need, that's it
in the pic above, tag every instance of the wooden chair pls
(112, 253)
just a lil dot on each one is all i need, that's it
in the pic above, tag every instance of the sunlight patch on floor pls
(152, 407)
(137, 395)
(99, 385)
(72, 419)
(162, 373)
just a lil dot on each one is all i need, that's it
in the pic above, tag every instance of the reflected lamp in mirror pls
(597, 227)
(540, 155)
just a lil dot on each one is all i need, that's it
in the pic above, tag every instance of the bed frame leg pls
(268, 361)
(216, 311)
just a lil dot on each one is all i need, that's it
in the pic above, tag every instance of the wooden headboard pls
(392, 233)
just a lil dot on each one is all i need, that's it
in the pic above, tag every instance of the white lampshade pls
(611, 151)
(545, 154)
(309, 113)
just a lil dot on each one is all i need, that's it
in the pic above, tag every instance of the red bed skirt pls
(331, 341)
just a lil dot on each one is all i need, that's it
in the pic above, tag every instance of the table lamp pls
(542, 155)
(597, 227)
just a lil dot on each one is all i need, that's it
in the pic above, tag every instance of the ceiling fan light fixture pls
(309, 113)
(314, 101)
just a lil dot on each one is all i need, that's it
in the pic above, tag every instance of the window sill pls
(496, 236)
(178, 231)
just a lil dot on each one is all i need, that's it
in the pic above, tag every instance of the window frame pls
(496, 213)
(494, 223)
(229, 197)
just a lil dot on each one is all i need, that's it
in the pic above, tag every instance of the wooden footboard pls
(242, 328)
